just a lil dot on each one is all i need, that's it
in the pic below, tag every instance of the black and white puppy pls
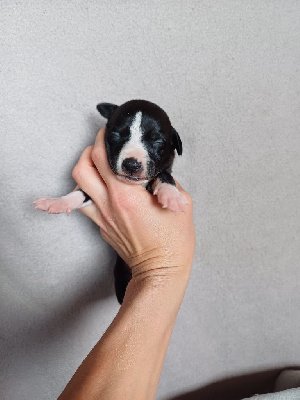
(140, 143)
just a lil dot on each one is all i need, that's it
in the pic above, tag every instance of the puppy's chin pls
(133, 180)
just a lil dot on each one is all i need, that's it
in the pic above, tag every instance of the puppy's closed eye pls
(115, 135)
(159, 142)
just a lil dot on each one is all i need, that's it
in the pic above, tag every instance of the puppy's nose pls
(131, 165)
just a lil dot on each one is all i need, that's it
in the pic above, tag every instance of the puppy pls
(140, 143)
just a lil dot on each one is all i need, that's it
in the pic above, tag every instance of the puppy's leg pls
(64, 204)
(164, 187)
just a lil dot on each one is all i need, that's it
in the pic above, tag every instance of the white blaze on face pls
(134, 147)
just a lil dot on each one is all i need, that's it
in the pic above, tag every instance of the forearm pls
(126, 363)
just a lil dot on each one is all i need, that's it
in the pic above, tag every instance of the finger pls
(99, 157)
(184, 192)
(179, 187)
(88, 179)
(93, 212)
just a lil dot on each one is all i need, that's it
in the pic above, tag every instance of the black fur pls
(164, 177)
(122, 274)
(176, 141)
(86, 196)
(106, 109)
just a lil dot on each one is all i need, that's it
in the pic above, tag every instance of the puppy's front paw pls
(53, 206)
(170, 197)
(64, 204)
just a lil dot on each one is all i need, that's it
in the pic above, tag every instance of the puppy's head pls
(140, 140)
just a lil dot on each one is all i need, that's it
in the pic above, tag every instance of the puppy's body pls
(140, 143)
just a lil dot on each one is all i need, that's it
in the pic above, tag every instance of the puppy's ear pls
(176, 141)
(106, 109)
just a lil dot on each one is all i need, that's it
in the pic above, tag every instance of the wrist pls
(160, 289)
(150, 274)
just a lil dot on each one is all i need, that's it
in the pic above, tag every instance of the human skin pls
(158, 246)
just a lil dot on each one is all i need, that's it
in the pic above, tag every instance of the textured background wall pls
(227, 73)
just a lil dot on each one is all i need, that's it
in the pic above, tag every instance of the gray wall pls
(227, 73)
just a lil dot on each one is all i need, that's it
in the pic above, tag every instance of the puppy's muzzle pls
(132, 166)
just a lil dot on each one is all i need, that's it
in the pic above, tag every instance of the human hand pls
(155, 243)
(147, 237)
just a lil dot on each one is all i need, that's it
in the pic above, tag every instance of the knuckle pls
(189, 198)
(105, 235)
(77, 173)
(88, 150)
(96, 154)
(185, 194)
(190, 205)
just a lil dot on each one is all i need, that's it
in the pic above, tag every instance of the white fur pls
(134, 147)
(169, 196)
